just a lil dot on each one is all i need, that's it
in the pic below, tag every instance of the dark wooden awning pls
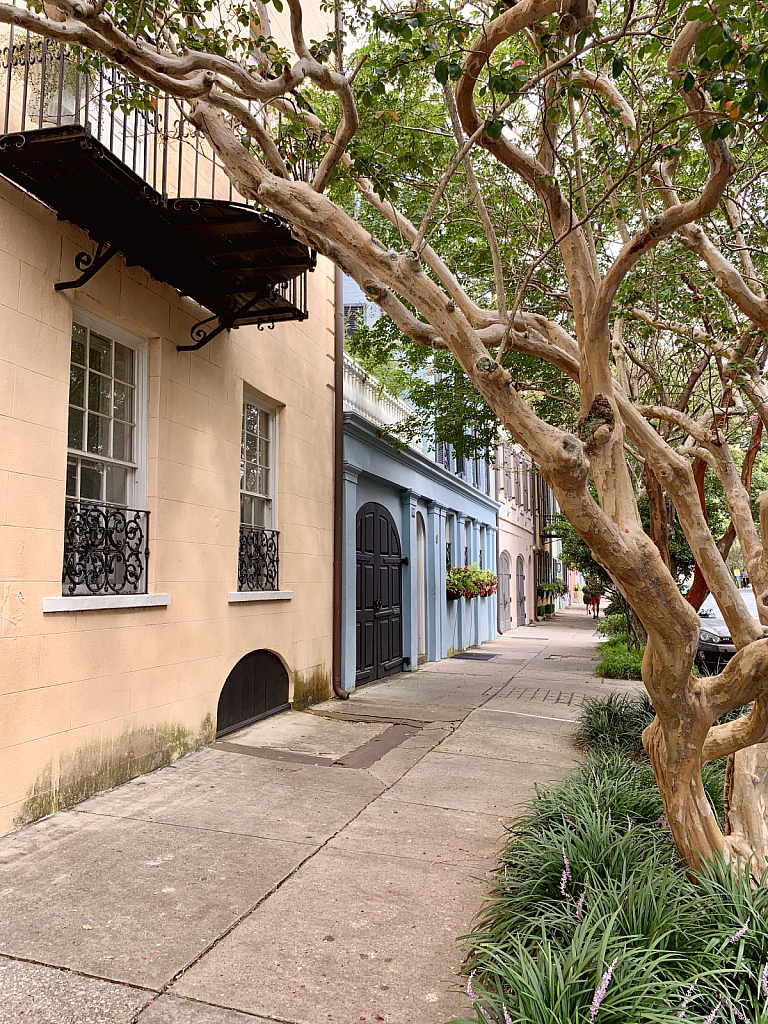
(229, 257)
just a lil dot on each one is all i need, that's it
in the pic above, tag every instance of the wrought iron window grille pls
(448, 564)
(106, 549)
(258, 559)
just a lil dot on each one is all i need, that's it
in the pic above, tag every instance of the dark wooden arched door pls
(520, 591)
(256, 687)
(379, 595)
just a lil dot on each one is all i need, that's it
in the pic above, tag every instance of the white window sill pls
(260, 595)
(89, 603)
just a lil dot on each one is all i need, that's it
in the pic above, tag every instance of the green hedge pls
(617, 661)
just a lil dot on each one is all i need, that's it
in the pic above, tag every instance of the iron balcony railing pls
(105, 549)
(40, 87)
(258, 559)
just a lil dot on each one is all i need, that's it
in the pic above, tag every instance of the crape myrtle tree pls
(612, 157)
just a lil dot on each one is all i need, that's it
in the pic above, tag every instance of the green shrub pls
(611, 625)
(617, 661)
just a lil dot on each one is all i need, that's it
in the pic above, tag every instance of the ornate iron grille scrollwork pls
(258, 559)
(105, 549)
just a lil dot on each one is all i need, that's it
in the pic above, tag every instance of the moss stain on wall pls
(311, 687)
(103, 764)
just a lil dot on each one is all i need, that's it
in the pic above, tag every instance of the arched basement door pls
(520, 591)
(379, 624)
(256, 687)
(505, 592)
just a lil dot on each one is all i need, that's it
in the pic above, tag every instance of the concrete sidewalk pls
(315, 868)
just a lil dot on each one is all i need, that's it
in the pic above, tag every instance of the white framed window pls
(106, 523)
(107, 423)
(258, 463)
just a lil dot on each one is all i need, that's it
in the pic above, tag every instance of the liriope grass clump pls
(615, 722)
(591, 917)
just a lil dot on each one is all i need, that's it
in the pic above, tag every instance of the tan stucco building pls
(118, 629)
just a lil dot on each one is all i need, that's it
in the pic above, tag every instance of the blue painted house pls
(408, 515)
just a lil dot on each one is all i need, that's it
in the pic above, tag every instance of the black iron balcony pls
(548, 523)
(258, 559)
(105, 549)
(145, 184)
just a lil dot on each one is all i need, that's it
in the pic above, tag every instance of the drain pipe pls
(338, 480)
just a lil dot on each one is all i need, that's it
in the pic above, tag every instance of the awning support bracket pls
(201, 337)
(90, 266)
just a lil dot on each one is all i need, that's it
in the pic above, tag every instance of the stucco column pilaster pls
(442, 603)
(491, 602)
(349, 578)
(410, 606)
(475, 558)
(458, 559)
(433, 602)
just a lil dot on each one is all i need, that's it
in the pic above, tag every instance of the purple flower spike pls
(710, 1019)
(566, 876)
(507, 1018)
(764, 980)
(580, 905)
(473, 997)
(470, 990)
(599, 995)
(740, 933)
(684, 1007)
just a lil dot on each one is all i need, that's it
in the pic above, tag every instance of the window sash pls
(114, 397)
(258, 464)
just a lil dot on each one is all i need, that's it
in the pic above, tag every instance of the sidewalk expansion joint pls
(79, 974)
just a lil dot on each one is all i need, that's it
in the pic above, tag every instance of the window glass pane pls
(99, 393)
(122, 441)
(71, 478)
(264, 453)
(98, 434)
(100, 353)
(260, 512)
(79, 338)
(75, 429)
(251, 419)
(251, 448)
(117, 485)
(265, 481)
(124, 363)
(246, 509)
(76, 385)
(252, 480)
(90, 480)
(264, 423)
(124, 402)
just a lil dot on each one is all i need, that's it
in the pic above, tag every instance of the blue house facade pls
(407, 519)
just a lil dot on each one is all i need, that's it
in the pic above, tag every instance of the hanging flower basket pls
(470, 581)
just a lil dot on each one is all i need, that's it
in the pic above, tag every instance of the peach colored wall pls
(87, 698)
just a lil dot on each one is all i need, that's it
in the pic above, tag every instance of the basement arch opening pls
(256, 687)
